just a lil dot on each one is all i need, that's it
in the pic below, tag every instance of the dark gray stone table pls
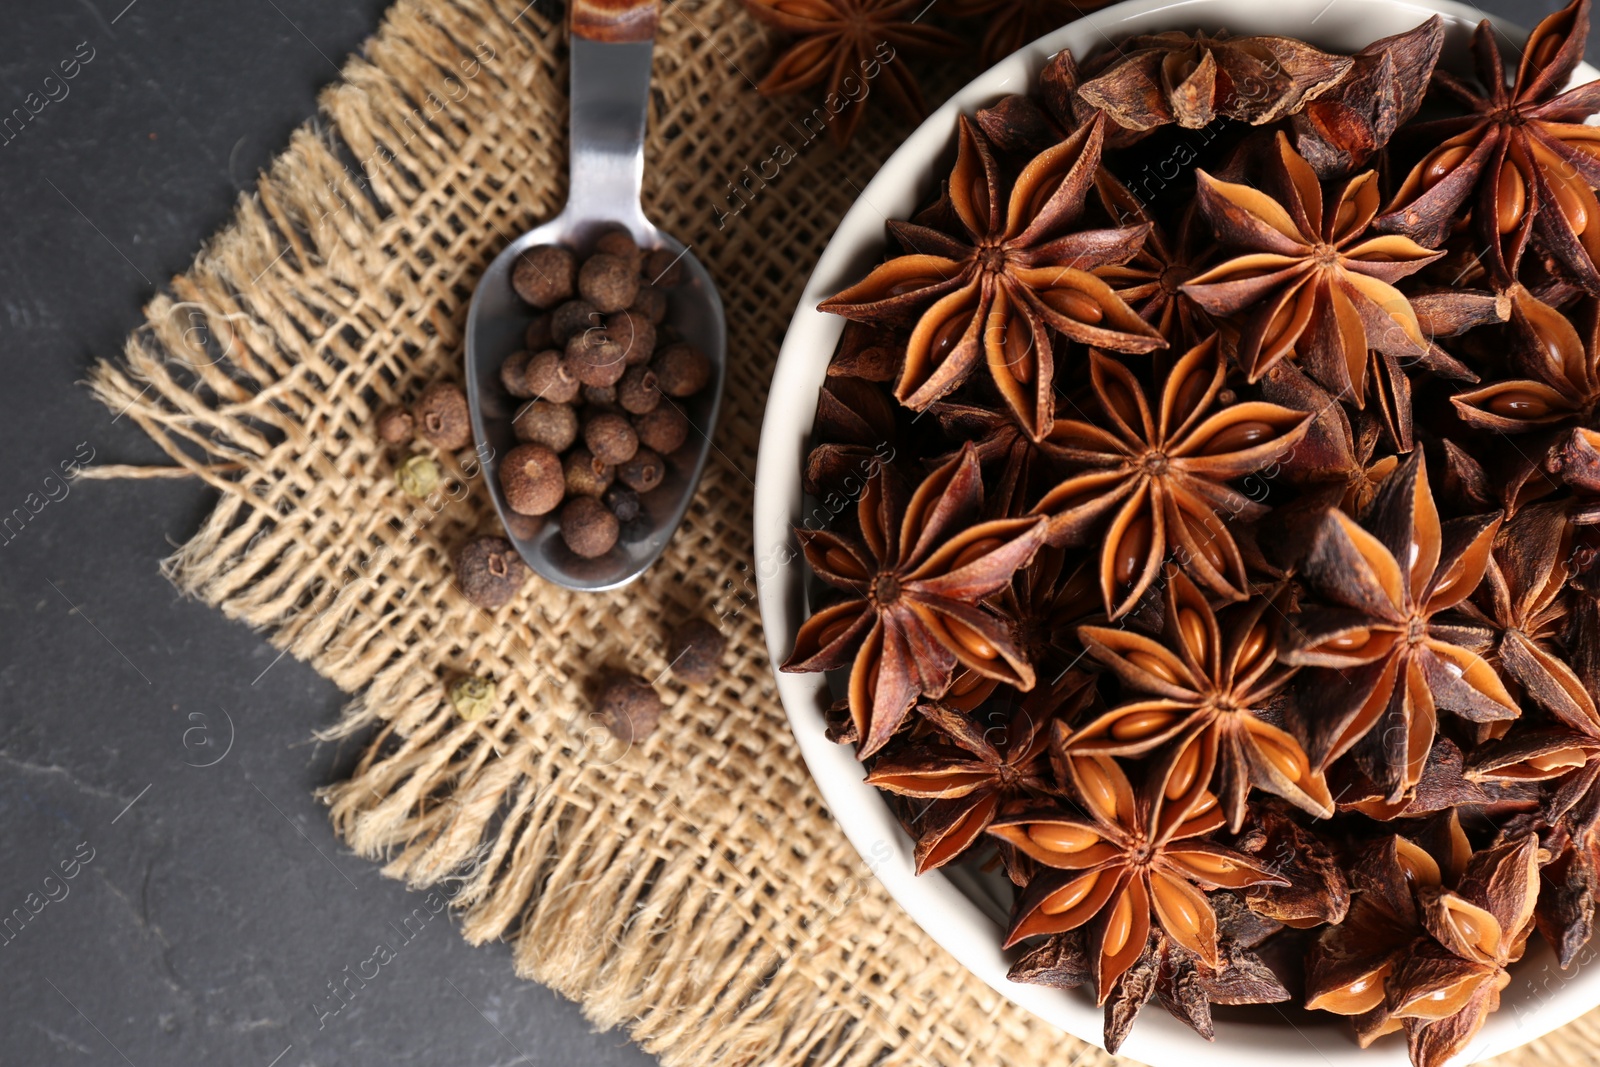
(208, 908)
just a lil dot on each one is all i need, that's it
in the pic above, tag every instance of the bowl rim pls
(1540, 998)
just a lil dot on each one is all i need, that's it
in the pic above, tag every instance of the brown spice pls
(545, 275)
(681, 369)
(610, 437)
(651, 302)
(396, 426)
(695, 651)
(553, 425)
(574, 316)
(643, 471)
(620, 243)
(637, 391)
(635, 332)
(629, 707)
(531, 478)
(664, 429)
(512, 371)
(588, 527)
(441, 414)
(608, 282)
(489, 572)
(548, 377)
(538, 336)
(623, 502)
(585, 475)
(596, 356)
(663, 267)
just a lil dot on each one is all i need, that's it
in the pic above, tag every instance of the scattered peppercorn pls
(543, 423)
(441, 414)
(635, 333)
(629, 707)
(651, 303)
(574, 316)
(607, 282)
(596, 357)
(623, 502)
(681, 369)
(695, 650)
(585, 475)
(513, 375)
(588, 527)
(664, 429)
(545, 275)
(472, 697)
(548, 377)
(396, 426)
(610, 437)
(489, 572)
(643, 472)
(532, 479)
(418, 476)
(620, 243)
(637, 391)
(663, 267)
(538, 337)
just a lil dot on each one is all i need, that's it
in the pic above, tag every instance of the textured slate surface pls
(148, 748)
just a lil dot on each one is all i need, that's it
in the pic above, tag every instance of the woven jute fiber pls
(692, 888)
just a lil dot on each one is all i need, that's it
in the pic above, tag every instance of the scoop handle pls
(615, 21)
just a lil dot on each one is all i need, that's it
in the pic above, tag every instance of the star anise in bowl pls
(1239, 604)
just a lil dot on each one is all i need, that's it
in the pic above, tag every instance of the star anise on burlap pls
(1522, 159)
(1310, 280)
(1193, 79)
(972, 771)
(1342, 128)
(1397, 661)
(1015, 274)
(1133, 860)
(856, 47)
(1205, 687)
(1155, 481)
(916, 576)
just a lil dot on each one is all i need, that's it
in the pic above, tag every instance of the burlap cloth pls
(693, 888)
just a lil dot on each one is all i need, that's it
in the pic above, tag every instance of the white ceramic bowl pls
(965, 913)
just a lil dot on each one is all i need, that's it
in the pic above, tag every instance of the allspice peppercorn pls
(620, 243)
(643, 472)
(695, 651)
(513, 375)
(607, 282)
(681, 369)
(664, 429)
(651, 303)
(532, 480)
(585, 475)
(441, 414)
(663, 267)
(596, 357)
(628, 706)
(635, 333)
(472, 697)
(548, 377)
(418, 476)
(637, 391)
(545, 275)
(489, 572)
(543, 423)
(610, 437)
(574, 316)
(396, 426)
(588, 527)
(600, 397)
(623, 502)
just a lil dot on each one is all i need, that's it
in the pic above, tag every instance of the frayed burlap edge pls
(692, 889)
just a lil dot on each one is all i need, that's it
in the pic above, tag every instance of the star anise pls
(916, 578)
(1132, 859)
(1342, 128)
(1522, 155)
(1192, 79)
(1398, 662)
(1563, 368)
(1152, 281)
(1337, 451)
(853, 433)
(1317, 891)
(1445, 989)
(1161, 478)
(851, 44)
(1311, 280)
(972, 772)
(1205, 687)
(1015, 274)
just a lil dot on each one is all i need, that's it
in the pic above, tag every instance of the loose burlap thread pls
(692, 888)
